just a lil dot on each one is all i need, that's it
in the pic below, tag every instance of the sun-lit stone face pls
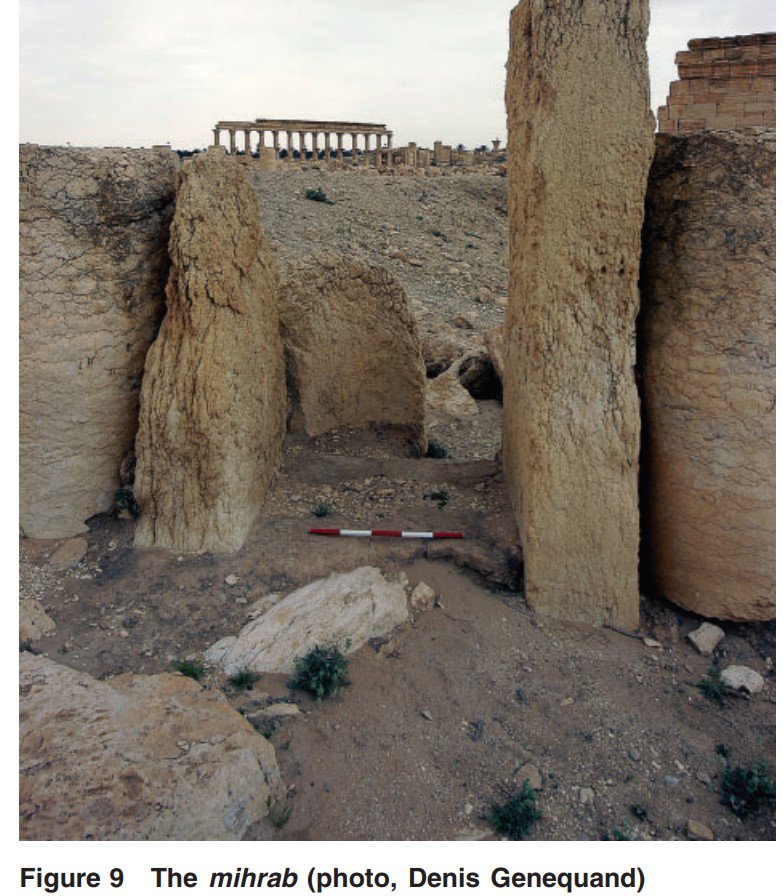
(580, 144)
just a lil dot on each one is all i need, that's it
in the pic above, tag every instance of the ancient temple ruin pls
(301, 140)
(287, 132)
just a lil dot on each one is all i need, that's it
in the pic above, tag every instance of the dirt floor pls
(469, 699)
(456, 708)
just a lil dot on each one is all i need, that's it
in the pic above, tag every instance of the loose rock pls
(742, 678)
(706, 637)
(346, 609)
(70, 554)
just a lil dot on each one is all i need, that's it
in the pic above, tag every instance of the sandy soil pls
(454, 709)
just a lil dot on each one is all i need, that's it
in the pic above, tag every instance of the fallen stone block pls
(345, 611)
(137, 757)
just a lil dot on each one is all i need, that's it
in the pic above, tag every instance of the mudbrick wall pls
(724, 83)
(707, 352)
(93, 229)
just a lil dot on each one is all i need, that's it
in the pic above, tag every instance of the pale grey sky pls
(102, 72)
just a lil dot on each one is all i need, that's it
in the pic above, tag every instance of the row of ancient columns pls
(380, 149)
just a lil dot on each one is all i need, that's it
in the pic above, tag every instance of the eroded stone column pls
(339, 147)
(366, 149)
(580, 145)
(216, 137)
(212, 410)
(232, 136)
(707, 358)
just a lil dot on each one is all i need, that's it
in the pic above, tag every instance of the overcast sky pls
(102, 72)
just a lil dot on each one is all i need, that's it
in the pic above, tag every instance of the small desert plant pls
(321, 672)
(621, 832)
(323, 509)
(441, 497)
(279, 816)
(243, 680)
(747, 789)
(435, 449)
(318, 195)
(191, 668)
(517, 815)
(713, 688)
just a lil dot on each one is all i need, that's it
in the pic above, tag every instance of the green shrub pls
(191, 669)
(746, 790)
(440, 497)
(323, 509)
(243, 680)
(321, 672)
(318, 195)
(517, 815)
(713, 687)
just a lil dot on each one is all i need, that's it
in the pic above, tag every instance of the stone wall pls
(724, 83)
(580, 145)
(708, 371)
(93, 228)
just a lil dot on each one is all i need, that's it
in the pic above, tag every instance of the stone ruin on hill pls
(94, 226)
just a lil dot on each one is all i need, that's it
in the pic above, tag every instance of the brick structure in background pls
(725, 83)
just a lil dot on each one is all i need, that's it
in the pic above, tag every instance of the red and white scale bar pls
(383, 533)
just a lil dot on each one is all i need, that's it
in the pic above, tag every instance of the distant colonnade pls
(291, 136)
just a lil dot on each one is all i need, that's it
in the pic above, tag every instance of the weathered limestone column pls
(707, 351)
(216, 138)
(276, 142)
(580, 145)
(366, 149)
(289, 145)
(93, 230)
(212, 409)
(315, 145)
(339, 147)
(378, 144)
(302, 147)
(232, 136)
(327, 146)
(247, 142)
(354, 145)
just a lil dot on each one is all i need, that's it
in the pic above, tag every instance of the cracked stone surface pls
(352, 347)
(138, 757)
(580, 146)
(212, 415)
(93, 226)
(708, 373)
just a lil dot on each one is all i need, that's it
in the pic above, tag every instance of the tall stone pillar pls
(707, 361)
(354, 144)
(378, 143)
(580, 145)
(339, 147)
(366, 149)
(289, 144)
(327, 146)
(276, 142)
(216, 136)
(232, 136)
(315, 145)
(302, 147)
(247, 142)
